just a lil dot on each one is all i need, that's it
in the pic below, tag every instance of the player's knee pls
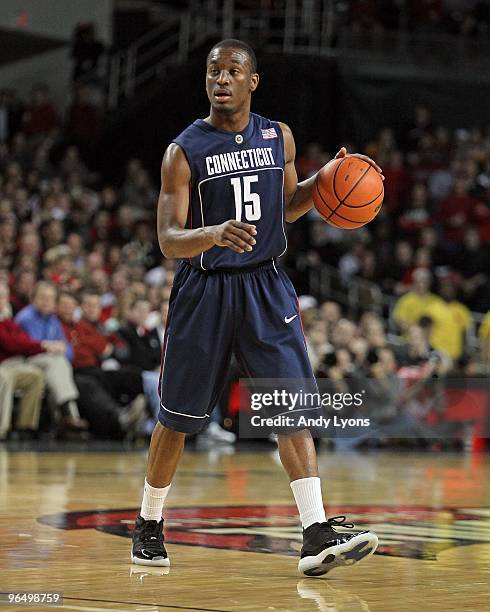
(167, 432)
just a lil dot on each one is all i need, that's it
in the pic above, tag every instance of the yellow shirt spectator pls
(450, 320)
(484, 334)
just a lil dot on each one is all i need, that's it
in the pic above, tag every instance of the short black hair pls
(234, 43)
(372, 356)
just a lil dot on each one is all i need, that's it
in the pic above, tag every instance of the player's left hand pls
(343, 153)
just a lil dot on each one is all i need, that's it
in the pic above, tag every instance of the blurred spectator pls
(458, 324)
(23, 290)
(101, 391)
(416, 216)
(144, 351)
(40, 321)
(456, 211)
(17, 375)
(420, 302)
(396, 181)
(138, 191)
(84, 121)
(484, 334)
(11, 112)
(36, 334)
(311, 161)
(40, 118)
(471, 261)
(417, 349)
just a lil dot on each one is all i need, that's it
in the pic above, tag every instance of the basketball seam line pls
(353, 207)
(333, 211)
(341, 201)
(363, 205)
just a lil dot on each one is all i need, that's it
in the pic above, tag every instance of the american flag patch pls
(269, 133)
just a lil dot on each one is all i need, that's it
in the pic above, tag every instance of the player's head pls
(231, 75)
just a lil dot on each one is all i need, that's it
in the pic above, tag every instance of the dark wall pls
(370, 103)
(298, 92)
(320, 101)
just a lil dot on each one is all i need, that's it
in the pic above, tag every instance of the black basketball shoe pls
(324, 548)
(148, 547)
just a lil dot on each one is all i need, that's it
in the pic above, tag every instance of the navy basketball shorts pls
(253, 313)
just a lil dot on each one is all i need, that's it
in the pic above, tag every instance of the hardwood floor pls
(233, 534)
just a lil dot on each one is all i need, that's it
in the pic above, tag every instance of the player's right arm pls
(173, 206)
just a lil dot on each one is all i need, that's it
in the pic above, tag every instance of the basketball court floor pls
(233, 534)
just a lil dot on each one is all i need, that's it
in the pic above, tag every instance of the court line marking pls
(136, 603)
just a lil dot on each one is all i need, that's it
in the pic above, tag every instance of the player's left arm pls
(298, 196)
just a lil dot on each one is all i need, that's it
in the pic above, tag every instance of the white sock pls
(153, 500)
(308, 496)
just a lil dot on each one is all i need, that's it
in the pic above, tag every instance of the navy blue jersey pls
(237, 175)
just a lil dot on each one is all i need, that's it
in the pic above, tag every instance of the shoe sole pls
(155, 562)
(349, 553)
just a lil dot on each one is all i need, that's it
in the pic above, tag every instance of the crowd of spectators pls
(84, 289)
(462, 17)
(429, 247)
(466, 18)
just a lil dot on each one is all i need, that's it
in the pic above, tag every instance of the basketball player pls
(228, 185)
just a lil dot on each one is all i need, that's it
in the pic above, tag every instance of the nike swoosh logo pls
(289, 319)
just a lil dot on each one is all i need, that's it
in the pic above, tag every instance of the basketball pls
(348, 192)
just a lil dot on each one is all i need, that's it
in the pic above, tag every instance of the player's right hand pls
(235, 235)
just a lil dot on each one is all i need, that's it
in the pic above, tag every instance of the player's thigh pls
(271, 342)
(197, 350)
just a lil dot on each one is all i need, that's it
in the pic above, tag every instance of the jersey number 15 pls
(245, 198)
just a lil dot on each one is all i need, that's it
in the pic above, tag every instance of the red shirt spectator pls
(396, 182)
(84, 120)
(14, 341)
(87, 341)
(41, 117)
(457, 211)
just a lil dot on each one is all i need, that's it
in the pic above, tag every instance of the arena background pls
(405, 82)
(91, 94)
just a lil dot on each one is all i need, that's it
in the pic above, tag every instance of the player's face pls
(229, 80)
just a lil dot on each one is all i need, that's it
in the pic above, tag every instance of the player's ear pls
(254, 81)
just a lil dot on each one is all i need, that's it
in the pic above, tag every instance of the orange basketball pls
(348, 193)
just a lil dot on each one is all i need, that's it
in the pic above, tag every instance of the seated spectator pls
(144, 345)
(484, 335)
(396, 182)
(416, 350)
(417, 215)
(311, 161)
(417, 302)
(58, 263)
(22, 290)
(316, 338)
(144, 349)
(343, 333)
(110, 400)
(16, 374)
(472, 262)
(40, 322)
(456, 211)
(459, 321)
(40, 117)
(84, 122)
(420, 302)
(331, 314)
(138, 191)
